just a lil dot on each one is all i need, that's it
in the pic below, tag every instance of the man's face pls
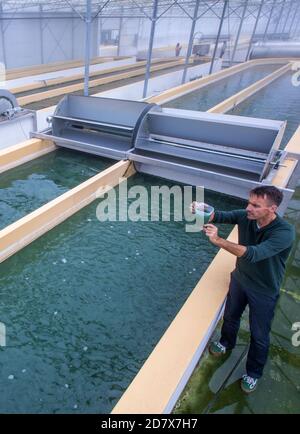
(259, 207)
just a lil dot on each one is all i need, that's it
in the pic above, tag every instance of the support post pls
(88, 22)
(191, 39)
(41, 35)
(294, 17)
(72, 36)
(254, 29)
(218, 36)
(149, 56)
(269, 20)
(279, 18)
(100, 27)
(120, 30)
(296, 30)
(287, 17)
(3, 36)
(239, 32)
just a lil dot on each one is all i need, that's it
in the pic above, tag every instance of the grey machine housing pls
(16, 123)
(224, 153)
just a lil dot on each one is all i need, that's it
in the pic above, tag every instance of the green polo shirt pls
(263, 264)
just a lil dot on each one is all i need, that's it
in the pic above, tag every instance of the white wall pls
(64, 37)
(60, 39)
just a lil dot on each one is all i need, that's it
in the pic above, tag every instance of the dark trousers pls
(261, 313)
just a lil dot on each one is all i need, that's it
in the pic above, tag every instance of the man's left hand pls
(212, 232)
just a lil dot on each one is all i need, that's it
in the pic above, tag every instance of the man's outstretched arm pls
(212, 232)
(278, 242)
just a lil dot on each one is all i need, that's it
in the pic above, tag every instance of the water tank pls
(276, 49)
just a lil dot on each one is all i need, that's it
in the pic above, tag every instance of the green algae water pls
(280, 100)
(31, 185)
(85, 305)
(211, 95)
(214, 386)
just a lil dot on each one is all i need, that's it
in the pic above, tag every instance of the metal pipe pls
(276, 49)
(269, 20)
(218, 36)
(254, 29)
(149, 56)
(88, 21)
(191, 40)
(239, 32)
(209, 151)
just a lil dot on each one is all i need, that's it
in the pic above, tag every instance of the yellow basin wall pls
(27, 229)
(23, 152)
(24, 100)
(186, 88)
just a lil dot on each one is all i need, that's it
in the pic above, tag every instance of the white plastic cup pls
(204, 211)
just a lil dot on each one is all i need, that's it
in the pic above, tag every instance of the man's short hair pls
(273, 194)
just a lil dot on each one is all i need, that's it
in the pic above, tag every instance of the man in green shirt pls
(264, 243)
